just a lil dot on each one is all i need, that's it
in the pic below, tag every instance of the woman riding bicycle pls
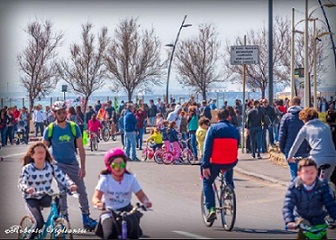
(114, 190)
(94, 125)
(318, 136)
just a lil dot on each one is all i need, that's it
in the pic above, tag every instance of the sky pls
(232, 18)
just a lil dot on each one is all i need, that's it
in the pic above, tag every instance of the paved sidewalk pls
(263, 168)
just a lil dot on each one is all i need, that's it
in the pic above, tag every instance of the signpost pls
(248, 54)
(64, 90)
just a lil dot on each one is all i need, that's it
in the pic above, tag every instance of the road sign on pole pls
(248, 54)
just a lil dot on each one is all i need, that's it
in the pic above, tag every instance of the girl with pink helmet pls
(114, 190)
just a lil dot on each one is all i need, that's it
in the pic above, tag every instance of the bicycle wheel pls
(167, 158)
(144, 154)
(106, 134)
(187, 156)
(204, 211)
(61, 229)
(26, 224)
(95, 143)
(158, 156)
(227, 205)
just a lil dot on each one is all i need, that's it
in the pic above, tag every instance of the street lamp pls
(172, 54)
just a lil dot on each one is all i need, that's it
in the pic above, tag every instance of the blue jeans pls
(193, 143)
(256, 140)
(27, 133)
(152, 121)
(184, 137)
(276, 132)
(293, 168)
(130, 141)
(4, 135)
(140, 137)
(39, 125)
(208, 190)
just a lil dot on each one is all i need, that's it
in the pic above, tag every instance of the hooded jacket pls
(289, 128)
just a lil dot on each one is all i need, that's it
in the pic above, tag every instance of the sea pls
(20, 99)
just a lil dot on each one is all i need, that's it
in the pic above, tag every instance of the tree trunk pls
(204, 94)
(31, 104)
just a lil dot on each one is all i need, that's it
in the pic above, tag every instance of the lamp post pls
(172, 54)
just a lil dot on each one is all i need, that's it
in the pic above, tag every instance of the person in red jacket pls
(94, 125)
(141, 117)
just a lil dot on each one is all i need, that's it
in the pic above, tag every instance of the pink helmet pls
(112, 153)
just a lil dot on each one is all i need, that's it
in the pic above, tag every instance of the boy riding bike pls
(306, 198)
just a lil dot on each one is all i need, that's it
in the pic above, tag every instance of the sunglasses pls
(121, 165)
(60, 112)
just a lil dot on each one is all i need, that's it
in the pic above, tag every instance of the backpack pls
(73, 131)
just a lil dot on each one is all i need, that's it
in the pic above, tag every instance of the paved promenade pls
(264, 168)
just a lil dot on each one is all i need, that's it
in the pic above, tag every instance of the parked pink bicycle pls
(176, 152)
(149, 153)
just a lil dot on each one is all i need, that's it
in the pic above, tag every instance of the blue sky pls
(231, 17)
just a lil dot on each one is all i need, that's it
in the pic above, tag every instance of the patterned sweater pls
(41, 179)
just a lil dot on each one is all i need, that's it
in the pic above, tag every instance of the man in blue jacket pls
(130, 134)
(220, 152)
(289, 128)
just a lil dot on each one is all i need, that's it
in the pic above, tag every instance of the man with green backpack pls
(64, 137)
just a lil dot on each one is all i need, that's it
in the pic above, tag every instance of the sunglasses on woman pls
(121, 165)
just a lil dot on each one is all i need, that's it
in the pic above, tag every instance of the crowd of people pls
(299, 133)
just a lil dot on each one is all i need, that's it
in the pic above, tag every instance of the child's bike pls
(225, 203)
(149, 153)
(307, 231)
(123, 229)
(56, 225)
(185, 155)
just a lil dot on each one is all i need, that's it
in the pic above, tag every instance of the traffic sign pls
(244, 54)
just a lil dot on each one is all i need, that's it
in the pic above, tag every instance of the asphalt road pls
(175, 193)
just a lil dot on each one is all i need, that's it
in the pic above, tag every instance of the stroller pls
(21, 133)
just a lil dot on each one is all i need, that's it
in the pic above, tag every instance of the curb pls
(262, 177)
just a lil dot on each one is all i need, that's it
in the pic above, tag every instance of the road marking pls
(191, 235)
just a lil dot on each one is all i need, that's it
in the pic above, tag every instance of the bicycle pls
(119, 218)
(109, 131)
(56, 225)
(93, 141)
(225, 203)
(307, 231)
(185, 155)
(149, 153)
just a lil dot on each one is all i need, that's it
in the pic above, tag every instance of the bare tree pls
(86, 71)
(197, 59)
(257, 75)
(37, 62)
(133, 60)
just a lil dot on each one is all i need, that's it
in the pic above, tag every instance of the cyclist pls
(114, 190)
(156, 136)
(220, 152)
(306, 198)
(63, 144)
(319, 138)
(94, 125)
(35, 182)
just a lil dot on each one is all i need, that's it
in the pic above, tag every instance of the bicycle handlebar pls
(124, 213)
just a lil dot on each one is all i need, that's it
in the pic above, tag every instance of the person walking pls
(130, 134)
(141, 117)
(39, 118)
(290, 126)
(255, 118)
(63, 142)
